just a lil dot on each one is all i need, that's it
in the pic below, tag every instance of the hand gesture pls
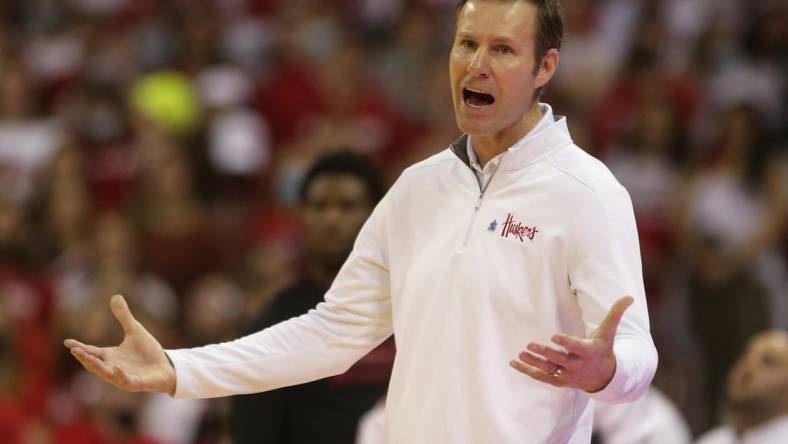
(588, 363)
(138, 364)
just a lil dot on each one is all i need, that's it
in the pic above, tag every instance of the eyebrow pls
(497, 39)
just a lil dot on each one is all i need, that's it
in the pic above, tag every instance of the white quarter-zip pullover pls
(465, 279)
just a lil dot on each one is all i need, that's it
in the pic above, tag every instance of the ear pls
(547, 67)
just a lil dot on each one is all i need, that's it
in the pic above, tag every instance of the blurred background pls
(156, 148)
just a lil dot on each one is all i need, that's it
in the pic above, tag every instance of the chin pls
(472, 127)
(748, 404)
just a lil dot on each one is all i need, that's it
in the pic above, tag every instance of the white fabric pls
(759, 84)
(171, 421)
(224, 87)
(725, 210)
(774, 432)
(239, 142)
(53, 56)
(463, 300)
(26, 148)
(372, 426)
(652, 419)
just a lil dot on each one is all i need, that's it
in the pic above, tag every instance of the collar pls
(550, 133)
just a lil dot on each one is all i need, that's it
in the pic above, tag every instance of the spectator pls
(28, 140)
(757, 394)
(337, 195)
(730, 217)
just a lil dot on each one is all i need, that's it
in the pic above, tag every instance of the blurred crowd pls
(156, 148)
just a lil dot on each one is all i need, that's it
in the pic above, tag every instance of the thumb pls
(607, 329)
(122, 313)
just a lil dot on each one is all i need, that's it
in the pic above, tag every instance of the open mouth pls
(477, 99)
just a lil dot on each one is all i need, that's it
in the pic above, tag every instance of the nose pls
(332, 216)
(479, 65)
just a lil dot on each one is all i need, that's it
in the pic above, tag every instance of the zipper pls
(473, 219)
(478, 205)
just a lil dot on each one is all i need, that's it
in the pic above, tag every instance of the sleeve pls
(604, 266)
(354, 318)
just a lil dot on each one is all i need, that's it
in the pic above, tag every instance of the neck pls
(488, 146)
(752, 420)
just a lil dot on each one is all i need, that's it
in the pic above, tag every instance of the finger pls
(538, 362)
(607, 329)
(537, 374)
(92, 364)
(575, 345)
(120, 309)
(93, 350)
(553, 355)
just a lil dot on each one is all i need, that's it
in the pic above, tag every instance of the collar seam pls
(541, 157)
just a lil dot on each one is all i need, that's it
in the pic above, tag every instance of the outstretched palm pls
(588, 363)
(138, 364)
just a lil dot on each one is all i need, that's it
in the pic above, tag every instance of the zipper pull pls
(479, 202)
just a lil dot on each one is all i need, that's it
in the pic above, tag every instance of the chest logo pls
(518, 230)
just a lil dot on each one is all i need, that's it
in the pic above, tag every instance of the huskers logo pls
(518, 230)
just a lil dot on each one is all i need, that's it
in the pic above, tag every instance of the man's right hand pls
(138, 364)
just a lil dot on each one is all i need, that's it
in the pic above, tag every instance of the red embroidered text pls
(517, 230)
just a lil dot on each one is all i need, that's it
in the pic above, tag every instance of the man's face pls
(334, 209)
(492, 67)
(759, 379)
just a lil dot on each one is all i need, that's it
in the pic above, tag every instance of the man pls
(337, 196)
(511, 238)
(757, 393)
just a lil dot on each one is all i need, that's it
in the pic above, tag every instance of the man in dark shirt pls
(337, 196)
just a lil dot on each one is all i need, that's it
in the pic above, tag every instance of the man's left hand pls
(587, 364)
